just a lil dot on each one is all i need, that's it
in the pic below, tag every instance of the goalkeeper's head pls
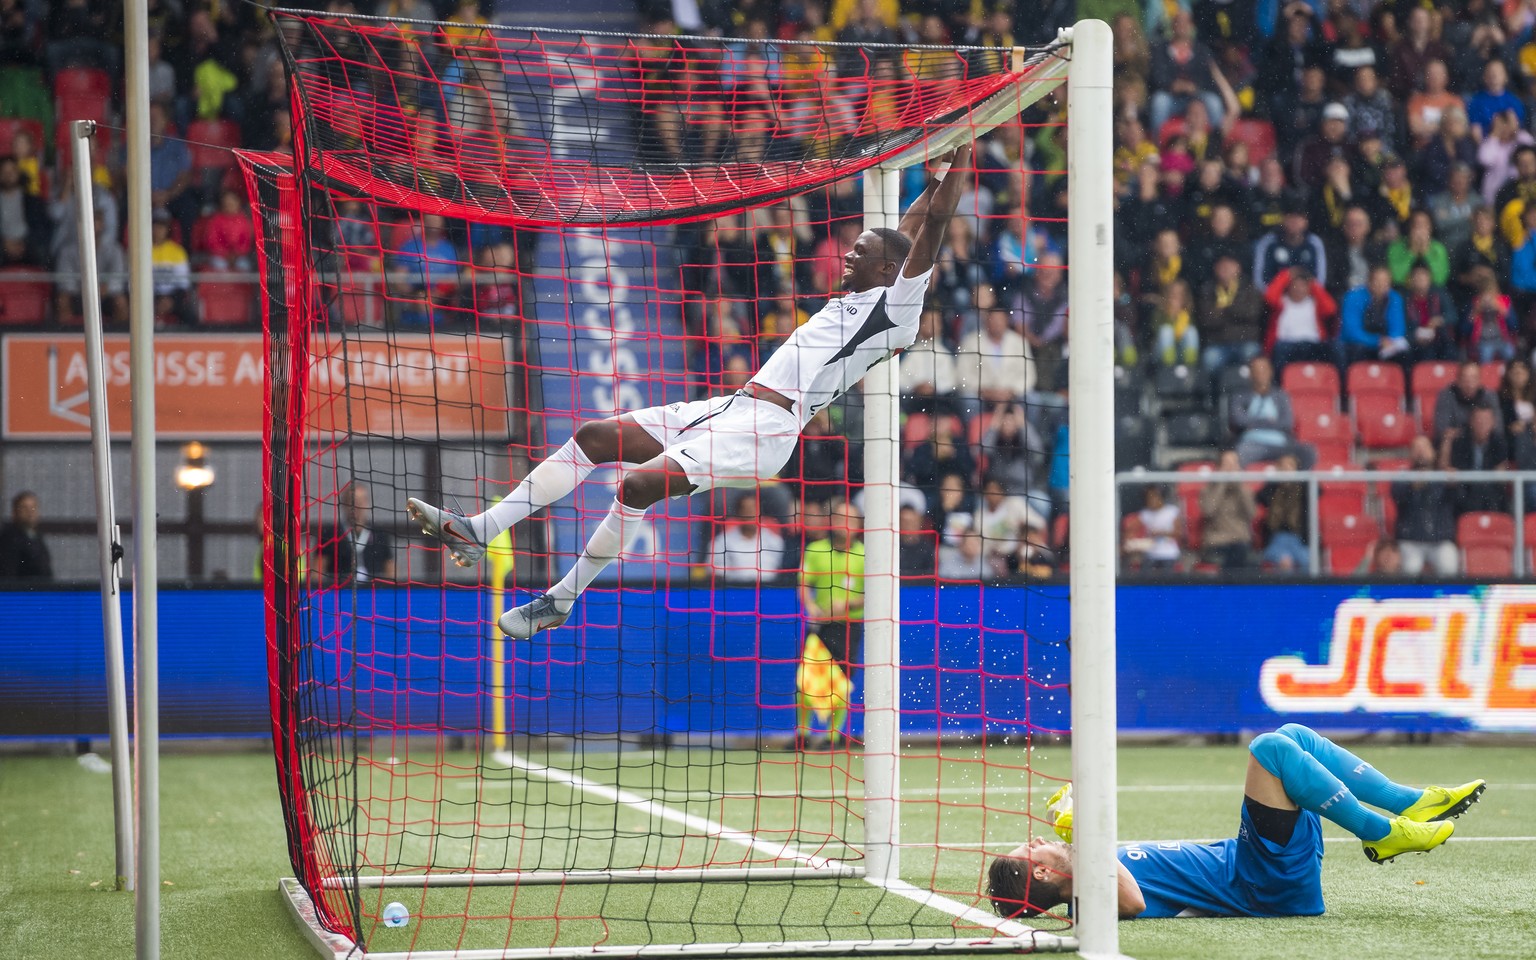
(1031, 879)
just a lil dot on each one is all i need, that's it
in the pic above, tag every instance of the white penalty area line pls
(1004, 845)
(910, 793)
(778, 851)
(653, 808)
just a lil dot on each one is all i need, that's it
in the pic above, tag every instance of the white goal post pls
(1084, 64)
(1090, 108)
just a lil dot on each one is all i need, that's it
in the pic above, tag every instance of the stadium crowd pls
(216, 82)
(1327, 215)
(1325, 256)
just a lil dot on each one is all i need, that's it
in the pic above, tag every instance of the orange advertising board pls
(413, 385)
(210, 386)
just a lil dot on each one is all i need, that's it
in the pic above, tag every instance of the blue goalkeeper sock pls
(1363, 780)
(1312, 787)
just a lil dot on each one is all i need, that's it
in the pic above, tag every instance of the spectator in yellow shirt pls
(832, 585)
(172, 274)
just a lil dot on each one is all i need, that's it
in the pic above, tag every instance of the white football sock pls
(611, 538)
(550, 481)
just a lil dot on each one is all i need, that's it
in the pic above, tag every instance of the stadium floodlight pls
(487, 236)
(194, 473)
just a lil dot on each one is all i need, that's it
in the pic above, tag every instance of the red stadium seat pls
(226, 304)
(23, 302)
(1300, 378)
(82, 94)
(66, 109)
(211, 142)
(1432, 376)
(1374, 376)
(1259, 135)
(1337, 498)
(82, 82)
(1487, 542)
(1487, 561)
(79, 93)
(1483, 528)
(1429, 378)
(1131, 528)
(1308, 406)
(1334, 453)
(1347, 538)
(10, 126)
(1493, 375)
(360, 307)
(919, 427)
(1530, 541)
(1345, 559)
(1325, 425)
(1382, 421)
(1189, 500)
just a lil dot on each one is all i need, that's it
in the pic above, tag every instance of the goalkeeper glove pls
(1060, 805)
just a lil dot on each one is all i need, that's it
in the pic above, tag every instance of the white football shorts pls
(730, 441)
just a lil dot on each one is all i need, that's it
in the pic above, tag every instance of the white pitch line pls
(782, 851)
(954, 908)
(1008, 845)
(908, 793)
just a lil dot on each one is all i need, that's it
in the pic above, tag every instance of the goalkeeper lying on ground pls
(1273, 867)
(731, 441)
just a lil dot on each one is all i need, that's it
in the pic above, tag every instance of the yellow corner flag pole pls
(498, 554)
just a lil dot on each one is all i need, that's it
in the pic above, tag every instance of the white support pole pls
(107, 543)
(1090, 242)
(146, 574)
(882, 588)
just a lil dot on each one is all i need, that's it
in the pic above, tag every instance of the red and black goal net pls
(484, 237)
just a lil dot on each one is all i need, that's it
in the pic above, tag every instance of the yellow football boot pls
(1408, 836)
(1443, 803)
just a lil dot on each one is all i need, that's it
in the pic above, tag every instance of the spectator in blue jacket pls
(1291, 245)
(429, 263)
(1372, 324)
(1495, 97)
(170, 170)
(1522, 265)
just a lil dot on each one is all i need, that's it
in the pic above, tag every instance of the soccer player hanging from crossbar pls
(737, 440)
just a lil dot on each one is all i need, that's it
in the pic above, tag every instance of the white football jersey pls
(832, 351)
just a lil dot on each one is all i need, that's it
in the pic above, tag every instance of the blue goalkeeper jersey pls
(1246, 876)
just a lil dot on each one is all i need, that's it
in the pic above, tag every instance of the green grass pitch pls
(224, 850)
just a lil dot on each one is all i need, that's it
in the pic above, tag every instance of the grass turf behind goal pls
(224, 843)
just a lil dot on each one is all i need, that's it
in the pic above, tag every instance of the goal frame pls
(1084, 65)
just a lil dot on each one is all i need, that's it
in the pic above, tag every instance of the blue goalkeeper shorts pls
(1281, 880)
